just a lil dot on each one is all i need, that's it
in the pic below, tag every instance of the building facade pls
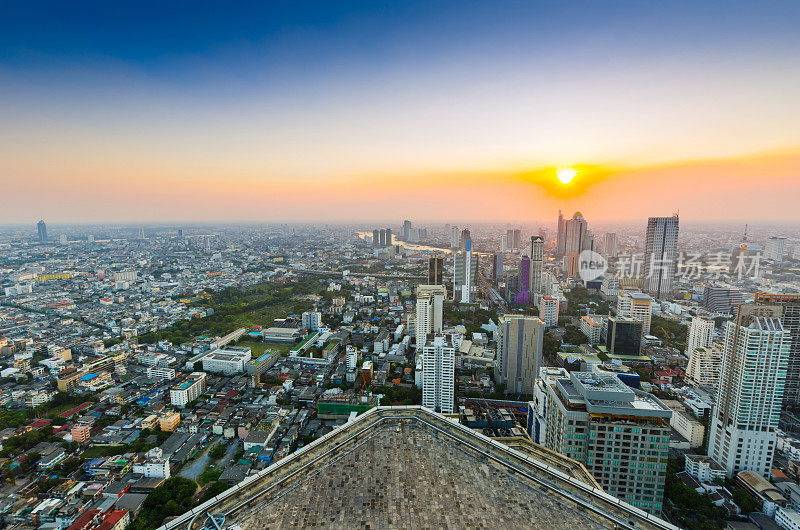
(519, 352)
(438, 373)
(430, 308)
(660, 256)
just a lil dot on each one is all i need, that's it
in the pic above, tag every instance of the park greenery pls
(471, 317)
(235, 308)
(581, 301)
(174, 497)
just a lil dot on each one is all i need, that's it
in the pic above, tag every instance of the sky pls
(372, 111)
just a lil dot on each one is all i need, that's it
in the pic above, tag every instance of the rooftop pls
(373, 472)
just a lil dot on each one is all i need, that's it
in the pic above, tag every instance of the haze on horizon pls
(452, 111)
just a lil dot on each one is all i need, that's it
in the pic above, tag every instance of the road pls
(193, 470)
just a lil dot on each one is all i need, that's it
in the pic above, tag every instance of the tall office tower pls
(435, 270)
(705, 363)
(638, 306)
(465, 235)
(561, 236)
(660, 255)
(548, 310)
(180, 232)
(721, 299)
(624, 336)
(504, 243)
(575, 234)
(388, 237)
(382, 237)
(454, 237)
(465, 274)
(517, 236)
(438, 373)
(42, 229)
(755, 356)
(523, 295)
(497, 267)
(430, 307)
(519, 352)
(376, 238)
(701, 334)
(790, 318)
(610, 245)
(141, 232)
(510, 238)
(406, 229)
(775, 248)
(536, 286)
(620, 434)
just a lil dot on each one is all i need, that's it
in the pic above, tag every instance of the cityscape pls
(385, 265)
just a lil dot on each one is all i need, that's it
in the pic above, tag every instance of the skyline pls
(396, 111)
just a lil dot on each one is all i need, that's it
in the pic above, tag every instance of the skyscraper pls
(519, 352)
(42, 229)
(406, 229)
(465, 274)
(575, 234)
(536, 286)
(660, 255)
(513, 238)
(454, 237)
(465, 235)
(790, 319)
(388, 242)
(624, 336)
(701, 334)
(523, 295)
(376, 238)
(438, 373)
(775, 248)
(610, 245)
(561, 235)
(742, 435)
(430, 307)
(435, 270)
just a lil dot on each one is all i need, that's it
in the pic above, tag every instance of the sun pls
(565, 175)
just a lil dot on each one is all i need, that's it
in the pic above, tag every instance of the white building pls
(703, 468)
(705, 365)
(430, 308)
(775, 248)
(537, 409)
(637, 306)
(312, 320)
(228, 361)
(548, 310)
(610, 285)
(660, 256)
(465, 274)
(787, 518)
(351, 357)
(701, 334)
(687, 426)
(188, 390)
(154, 465)
(438, 373)
(591, 328)
(519, 352)
(745, 418)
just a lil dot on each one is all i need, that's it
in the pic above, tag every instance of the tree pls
(217, 452)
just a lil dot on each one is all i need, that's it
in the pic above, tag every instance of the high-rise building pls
(312, 320)
(376, 238)
(624, 336)
(435, 270)
(497, 267)
(465, 274)
(513, 238)
(638, 306)
(620, 434)
(610, 245)
(430, 308)
(438, 373)
(465, 235)
(536, 285)
(575, 240)
(454, 237)
(504, 243)
(388, 237)
(519, 352)
(745, 418)
(775, 248)
(406, 229)
(790, 318)
(561, 236)
(523, 295)
(548, 310)
(701, 334)
(705, 363)
(660, 256)
(721, 299)
(41, 227)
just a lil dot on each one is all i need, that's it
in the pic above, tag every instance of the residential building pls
(637, 306)
(228, 361)
(745, 417)
(169, 421)
(189, 390)
(721, 299)
(81, 433)
(660, 256)
(705, 364)
(610, 245)
(438, 373)
(685, 424)
(790, 319)
(591, 328)
(536, 282)
(620, 434)
(430, 308)
(703, 468)
(610, 285)
(701, 334)
(519, 352)
(775, 248)
(465, 274)
(312, 320)
(548, 310)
